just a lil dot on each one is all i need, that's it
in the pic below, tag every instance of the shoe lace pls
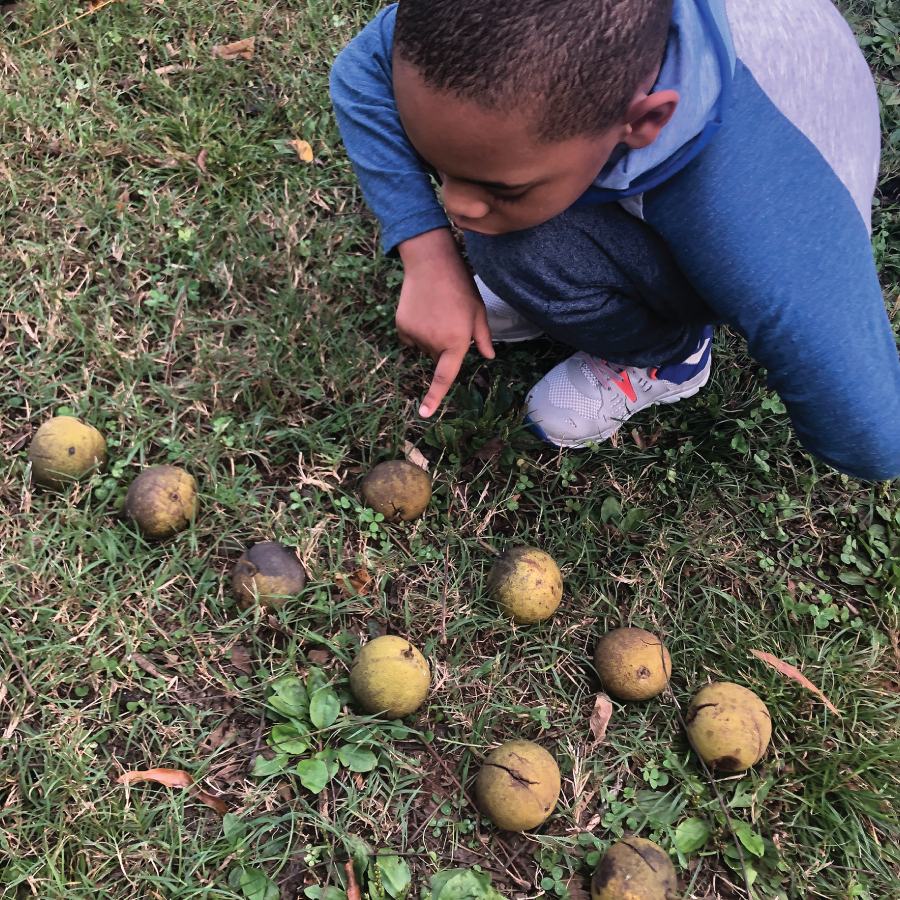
(603, 370)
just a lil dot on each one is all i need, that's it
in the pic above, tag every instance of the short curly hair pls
(576, 64)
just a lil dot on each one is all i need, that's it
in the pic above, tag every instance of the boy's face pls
(496, 175)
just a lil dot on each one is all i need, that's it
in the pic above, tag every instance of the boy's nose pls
(462, 203)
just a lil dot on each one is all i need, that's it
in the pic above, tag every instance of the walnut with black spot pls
(268, 574)
(635, 869)
(397, 489)
(729, 726)
(162, 501)
(64, 450)
(632, 663)
(518, 785)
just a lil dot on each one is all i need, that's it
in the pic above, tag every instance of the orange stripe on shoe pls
(624, 383)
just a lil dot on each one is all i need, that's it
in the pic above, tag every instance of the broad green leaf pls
(290, 697)
(633, 520)
(331, 893)
(324, 707)
(234, 829)
(749, 838)
(395, 875)
(256, 885)
(359, 850)
(273, 766)
(851, 578)
(357, 758)
(313, 774)
(315, 681)
(462, 884)
(611, 511)
(288, 739)
(691, 835)
(330, 757)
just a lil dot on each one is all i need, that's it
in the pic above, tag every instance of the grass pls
(238, 321)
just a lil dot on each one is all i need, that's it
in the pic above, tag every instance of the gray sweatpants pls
(597, 279)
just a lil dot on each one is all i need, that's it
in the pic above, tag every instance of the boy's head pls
(519, 103)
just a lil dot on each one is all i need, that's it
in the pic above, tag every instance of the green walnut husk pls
(391, 677)
(729, 725)
(65, 450)
(162, 501)
(268, 574)
(635, 869)
(518, 785)
(399, 490)
(526, 584)
(632, 663)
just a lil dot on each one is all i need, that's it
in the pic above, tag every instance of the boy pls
(629, 173)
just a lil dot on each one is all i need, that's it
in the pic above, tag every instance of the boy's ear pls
(646, 118)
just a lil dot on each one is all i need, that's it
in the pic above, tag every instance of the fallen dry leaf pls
(240, 659)
(600, 716)
(231, 774)
(302, 149)
(201, 160)
(576, 888)
(319, 657)
(794, 674)
(175, 778)
(236, 50)
(168, 70)
(491, 449)
(353, 892)
(414, 455)
(220, 736)
(358, 582)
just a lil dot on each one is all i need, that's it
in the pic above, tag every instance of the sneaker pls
(586, 399)
(506, 324)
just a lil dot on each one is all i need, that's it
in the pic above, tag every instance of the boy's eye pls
(510, 198)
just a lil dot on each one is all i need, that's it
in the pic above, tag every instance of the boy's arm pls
(393, 177)
(772, 239)
(440, 310)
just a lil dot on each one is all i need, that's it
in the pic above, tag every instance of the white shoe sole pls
(578, 444)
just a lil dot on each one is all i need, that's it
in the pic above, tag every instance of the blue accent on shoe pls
(679, 373)
(537, 431)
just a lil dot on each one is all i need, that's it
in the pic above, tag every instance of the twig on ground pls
(90, 12)
(143, 663)
(258, 744)
(29, 689)
(486, 546)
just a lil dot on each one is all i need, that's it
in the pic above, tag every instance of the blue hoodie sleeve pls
(393, 177)
(771, 238)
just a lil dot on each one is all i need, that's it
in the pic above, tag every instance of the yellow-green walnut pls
(632, 663)
(518, 785)
(390, 676)
(729, 726)
(268, 574)
(162, 501)
(526, 584)
(635, 869)
(399, 490)
(64, 450)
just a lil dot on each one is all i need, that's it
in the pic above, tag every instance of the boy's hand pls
(440, 309)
